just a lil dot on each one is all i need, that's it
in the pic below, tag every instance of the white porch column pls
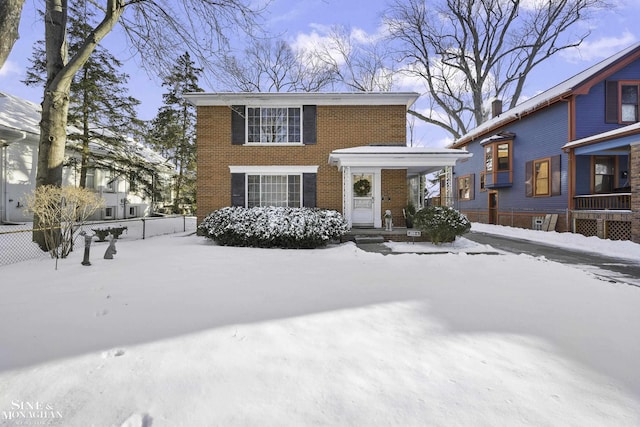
(346, 194)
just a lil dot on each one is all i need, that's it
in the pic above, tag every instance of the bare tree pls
(359, 65)
(468, 51)
(10, 12)
(155, 29)
(273, 66)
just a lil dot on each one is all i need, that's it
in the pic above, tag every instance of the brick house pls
(571, 152)
(341, 151)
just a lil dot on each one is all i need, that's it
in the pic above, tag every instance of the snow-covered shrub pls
(273, 227)
(441, 223)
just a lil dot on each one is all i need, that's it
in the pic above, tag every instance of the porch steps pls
(368, 239)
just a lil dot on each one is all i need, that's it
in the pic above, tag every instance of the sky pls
(177, 331)
(305, 22)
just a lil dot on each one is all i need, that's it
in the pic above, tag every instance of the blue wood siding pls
(538, 136)
(590, 108)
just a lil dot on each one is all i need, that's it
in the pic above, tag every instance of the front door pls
(363, 199)
(493, 207)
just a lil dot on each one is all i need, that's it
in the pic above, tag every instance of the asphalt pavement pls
(610, 269)
(615, 270)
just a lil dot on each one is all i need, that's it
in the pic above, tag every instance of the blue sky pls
(308, 20)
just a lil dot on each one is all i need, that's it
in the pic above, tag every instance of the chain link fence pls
(16, 244)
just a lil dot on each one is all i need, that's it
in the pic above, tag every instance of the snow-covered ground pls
(176, 331)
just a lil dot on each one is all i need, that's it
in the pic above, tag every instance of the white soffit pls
(396, 157)
(299, 98)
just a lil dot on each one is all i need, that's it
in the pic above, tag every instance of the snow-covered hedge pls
(441, 223)
(273, 227)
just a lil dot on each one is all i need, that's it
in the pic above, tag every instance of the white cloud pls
(601, 48)
(9, 68)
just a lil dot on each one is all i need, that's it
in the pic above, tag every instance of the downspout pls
(3, 181)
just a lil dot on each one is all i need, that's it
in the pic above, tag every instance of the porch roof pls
(607, 142)
(416, 160)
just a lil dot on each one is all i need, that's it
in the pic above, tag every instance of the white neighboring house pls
(133, 181)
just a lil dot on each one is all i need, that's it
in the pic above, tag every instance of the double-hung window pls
(498, 162)
(603, 176)
(274, 190)
(622, 99)
(629, 103)
(466, 187)
(541, 177)
(275, 125)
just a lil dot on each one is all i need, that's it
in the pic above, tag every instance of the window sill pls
(273, 144)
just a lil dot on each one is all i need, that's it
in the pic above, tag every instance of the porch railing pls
(599, 202)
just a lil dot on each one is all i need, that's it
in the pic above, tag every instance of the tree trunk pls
(10, 12)
(53, 126)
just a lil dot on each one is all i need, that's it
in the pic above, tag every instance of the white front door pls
(363, 199)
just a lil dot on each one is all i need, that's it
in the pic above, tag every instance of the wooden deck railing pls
(598, 202)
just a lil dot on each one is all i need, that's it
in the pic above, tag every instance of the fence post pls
(143, 228)
(184, 223)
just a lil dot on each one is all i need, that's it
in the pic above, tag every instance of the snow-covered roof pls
(301, 98)
(550, 96)
(18, 115)
(633, 129)
(414, 159)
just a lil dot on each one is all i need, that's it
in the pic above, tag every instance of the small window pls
(503, 157)
(90, 182)
(541, 181)
(488, 158)
(628, 103)
(111, 183)
(465, 187)
(109, 212)
(482, 181)
(603, 174)
(133, 211)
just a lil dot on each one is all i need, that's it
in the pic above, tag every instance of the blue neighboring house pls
(570, 155)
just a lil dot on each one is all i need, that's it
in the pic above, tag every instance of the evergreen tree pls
(99, 105)
(173, 130)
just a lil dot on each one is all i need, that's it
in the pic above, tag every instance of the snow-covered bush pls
(441, 223)
(273, 227)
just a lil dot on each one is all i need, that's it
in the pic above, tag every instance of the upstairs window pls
(622, 99)
(498, 160)
(498, 155)
(628, 103)
(274, 125)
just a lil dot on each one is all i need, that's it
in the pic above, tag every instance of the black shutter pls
(309, 124)
(611, 104)
(555, 175)
(528, 179)
(472, 186)
(237, 189)
(309, 184)
(237, 124)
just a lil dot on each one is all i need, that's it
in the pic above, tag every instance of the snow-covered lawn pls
(176, 331)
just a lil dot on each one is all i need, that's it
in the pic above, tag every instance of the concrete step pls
(369, 239)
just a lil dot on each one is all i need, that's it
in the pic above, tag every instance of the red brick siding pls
(337, 127)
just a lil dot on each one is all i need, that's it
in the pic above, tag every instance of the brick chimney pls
(496, 108)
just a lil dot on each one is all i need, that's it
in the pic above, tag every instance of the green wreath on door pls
(362, 187)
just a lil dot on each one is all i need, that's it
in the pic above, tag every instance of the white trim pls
(347, 176)
(273, 144)
(262, 170)
(416, 160)
(318, 98)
